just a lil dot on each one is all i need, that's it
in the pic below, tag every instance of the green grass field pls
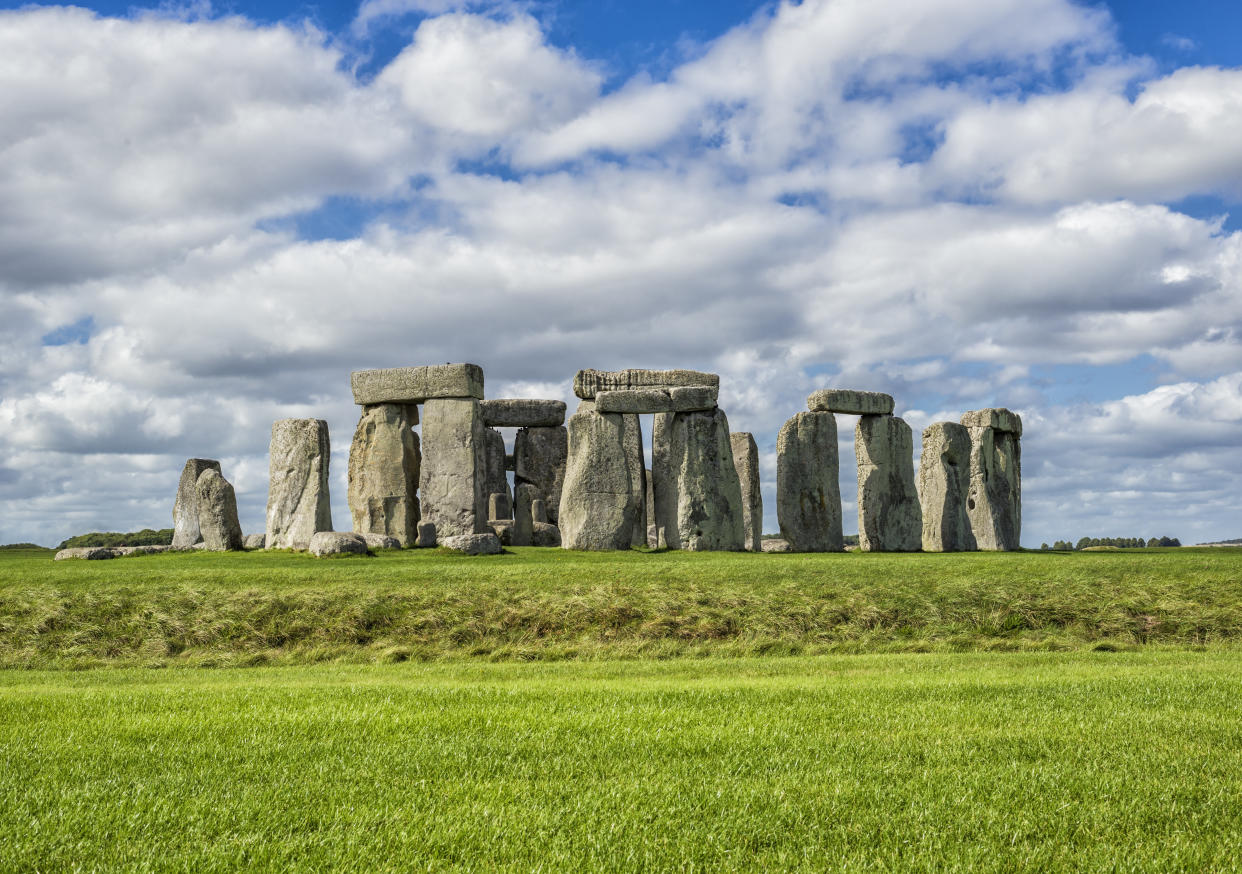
(552, 604)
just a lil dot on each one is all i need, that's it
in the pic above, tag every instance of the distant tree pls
(145, 537)
(1044, 547)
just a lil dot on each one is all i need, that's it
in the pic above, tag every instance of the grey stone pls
(522, 413)
(217, 512)
(495, 478)
(808, 493)
(381, 541)
(540, 456)
(997, 418)
(854, 403)
(746, 460)
(298, 503)
(544, 534)
(589, 382)
(775, 544)
(704, 509)
(498, 507)
(636, 462)
(503, 528)
(384, 462)
(523, 517)
(889, 516)
(414, 385)
(254, 541)
(185, 509)
(944, 484)
(994, 501)
(451, 485)
(90, 553)
(694, 398)
(473, 544)
(657, 400)
(337, 542)
(598, 508)
(539, 510)
(653, 538)
(426, 535)
(663, 502)
(585, 406)
(148, 549)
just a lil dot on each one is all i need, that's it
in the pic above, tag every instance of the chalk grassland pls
(550, 604)
(975, 762)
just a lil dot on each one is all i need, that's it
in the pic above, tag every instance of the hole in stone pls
(970, 503)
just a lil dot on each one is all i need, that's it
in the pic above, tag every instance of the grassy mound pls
(549, 604)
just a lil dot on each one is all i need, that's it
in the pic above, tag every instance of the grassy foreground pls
(551, 604)
(985, 762)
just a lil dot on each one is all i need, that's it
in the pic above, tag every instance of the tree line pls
(1119, 542)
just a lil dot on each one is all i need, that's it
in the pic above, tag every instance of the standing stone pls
(663, 483)
(498, 507)
(384, 464)
(638, 478)
(598, 509)
(705, 510)
(217, 512)
(523, 514)
(426, 535)
(746, 459)
(539, 458)
(808, 493)
(185, 509)
(495, 480)
(653, 541)
(539, 510)
(451, 484)
(994, 502)
(944, 483)
(298, 504)
(889, 516)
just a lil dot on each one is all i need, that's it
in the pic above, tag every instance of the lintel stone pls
(588, 383)
(680, 399)
(522, 413)
(850, 402)
(997, 418)
(413, 385)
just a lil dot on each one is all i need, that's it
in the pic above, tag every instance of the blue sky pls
(209, 214)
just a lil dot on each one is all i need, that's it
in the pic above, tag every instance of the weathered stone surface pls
(663, 504)
(540, 456)
(426, 535)
(544, 534)
(414, 385)
(523, 515)
(337, 542)
(217, 512)
(384, 462)
(889, 517)
(298, 503)
(185, 509)
(598, 508)
(539, 510)
(850, 402)
(381, 541)
(254, 541)
(587, 383)
(704, 511)
(503, 529)
(474, 544)
(498, 507)
(522, 413)
(452, 486)
(998, 418)
(994, 501)
(808, 494)
(944, 483)
(495, 478)
(656, 400)
(147, 549)
(775, 544)
(90, 553)
(746, 460)
(637, 464)
(653, 539)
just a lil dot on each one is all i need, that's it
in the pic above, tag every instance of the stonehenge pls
(217, 512)
(384, 464)
(994, 499)
(889, 516)
(186, 531)
(944, 482)
(808, 493)
(298, 504)
(598, 509)
(746, 460)
(698, 495)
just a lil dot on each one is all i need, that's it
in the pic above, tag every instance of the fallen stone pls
(451, 486)
(217, 512)
(254, 541)
(522, 413)
(808, 493)
(775, 544)
(495, 478)
(147, 549)
(384, 463)
(998, 418)
(523, 518)
(540, 456)
(746, 460)
(944, 484)
(416, 385)
(298, 503)
(337, 543)
(185, 509)
(849, 402)
(473, 544)
(381, 541)
(889, 516)
(426, 535)
(598, 510)
(543, 534)
(88, 553)
(587, 383)
(705, 510)
(994, 500)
